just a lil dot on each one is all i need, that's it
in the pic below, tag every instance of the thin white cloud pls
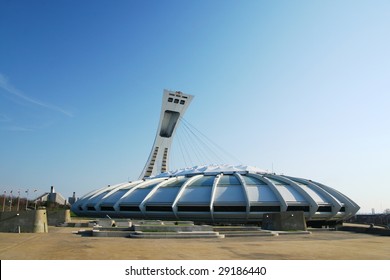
(18, 128)
(27, 128)
(9, 88)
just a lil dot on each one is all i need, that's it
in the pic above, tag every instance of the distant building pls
(72, 199)
(52, 196)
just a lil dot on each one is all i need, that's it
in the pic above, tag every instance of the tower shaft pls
(174, 105)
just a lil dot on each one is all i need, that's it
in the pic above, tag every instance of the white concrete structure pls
(218, 194)
(211, 193)
(52, 196)
(174, 105)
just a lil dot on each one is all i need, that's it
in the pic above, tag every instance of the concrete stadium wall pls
(56, 217)
(24, 221)
(284, 221)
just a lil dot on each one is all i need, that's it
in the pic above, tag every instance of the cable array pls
(191, 147)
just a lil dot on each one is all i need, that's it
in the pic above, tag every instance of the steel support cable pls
(188, 146)
(198, 150)
(181, 149)
(204, 148)
(192, 145)
(183, 133)
(187, 150)
(208, 149)
(221, 150)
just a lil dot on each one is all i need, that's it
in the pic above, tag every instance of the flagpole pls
(26, 199)
(10, 202)
(17, 208)
(5, 192)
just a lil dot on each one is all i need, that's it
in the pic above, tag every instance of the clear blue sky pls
(302, 87)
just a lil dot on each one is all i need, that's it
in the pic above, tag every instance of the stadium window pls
(265, 209)
(107, 208)
(230, 208)
(129, 208)
(193, 208)
(324, 209)
(158, 208)
(298, 208)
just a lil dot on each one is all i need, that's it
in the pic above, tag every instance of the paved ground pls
(61, 244)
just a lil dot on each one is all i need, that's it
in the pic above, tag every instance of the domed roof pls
(217, 194)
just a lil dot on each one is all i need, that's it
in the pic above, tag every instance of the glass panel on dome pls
(97, 198)
(229, 180)
(231, 193)
(177, 183)
(290, 194)
(317, 196)
(249, 180)
(196, 194)
(137, 195)
(114, 197)
(164, 195)
(277, 182)
(261, 193)
(204, 181)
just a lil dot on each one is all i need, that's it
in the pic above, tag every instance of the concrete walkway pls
(60, 243)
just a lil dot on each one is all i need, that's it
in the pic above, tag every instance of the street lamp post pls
(35, 204)
(10, 202)
(26, 199)
(17, 207)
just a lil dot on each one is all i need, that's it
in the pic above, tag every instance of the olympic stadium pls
(211, 194)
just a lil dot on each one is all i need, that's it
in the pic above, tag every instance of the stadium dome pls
(217, 194)
(210, 193)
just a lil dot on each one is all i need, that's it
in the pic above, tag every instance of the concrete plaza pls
(61, 244)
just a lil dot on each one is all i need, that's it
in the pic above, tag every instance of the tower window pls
(182, 102)
(170, 99)
(176, 101)
(169, 123)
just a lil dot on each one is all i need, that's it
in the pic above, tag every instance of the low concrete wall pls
(24, 221)
(171, 228)
(367, 229)
(56, 217)
(284, 221)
